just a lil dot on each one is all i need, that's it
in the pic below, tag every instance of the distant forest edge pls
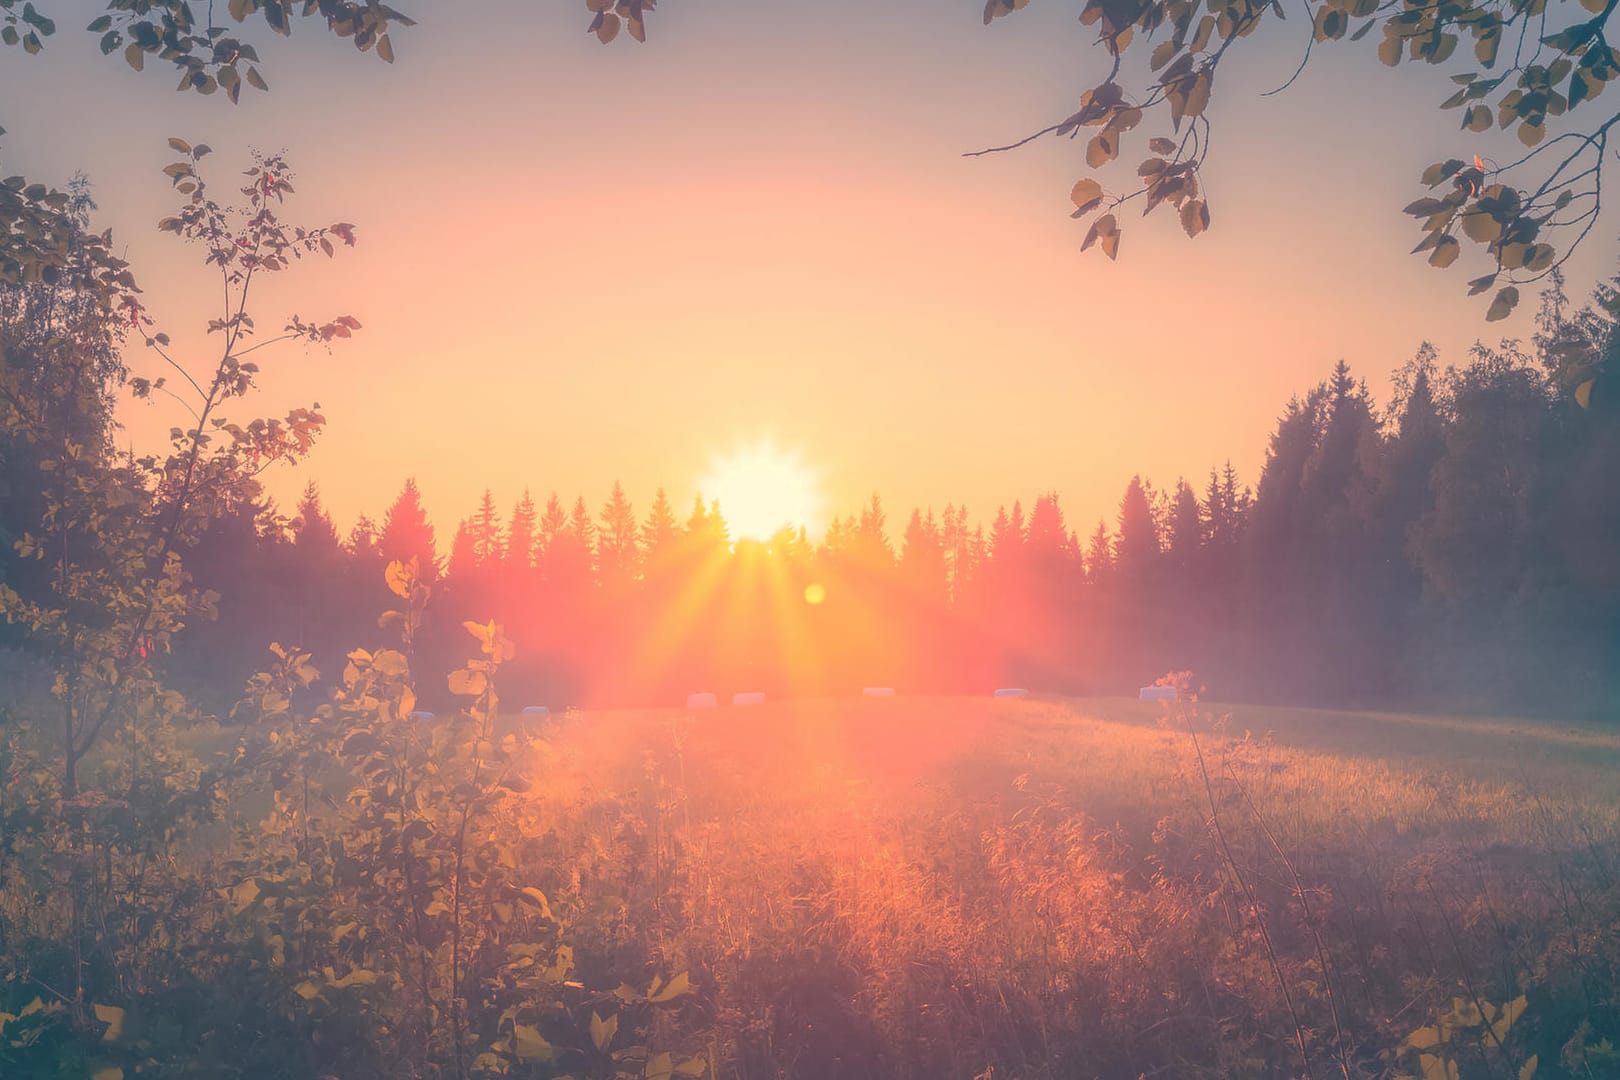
(1456, 547)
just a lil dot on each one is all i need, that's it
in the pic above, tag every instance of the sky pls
(580, 264)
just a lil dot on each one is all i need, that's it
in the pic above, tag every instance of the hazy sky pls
(579, 264)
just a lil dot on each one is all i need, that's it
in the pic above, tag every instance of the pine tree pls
(521, 539)
(619, 550)
(488, 547)
(1136, 555)
(407, 533)
(314, 535)
(661, 530)
(463, 565)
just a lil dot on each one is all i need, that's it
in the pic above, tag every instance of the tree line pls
(1455, 546)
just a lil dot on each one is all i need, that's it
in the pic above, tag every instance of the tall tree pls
(407, 534)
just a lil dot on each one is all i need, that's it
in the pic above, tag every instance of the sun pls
(761, 489)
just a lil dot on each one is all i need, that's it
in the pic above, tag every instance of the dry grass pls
(924, 888)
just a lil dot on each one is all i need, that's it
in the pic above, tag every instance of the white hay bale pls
(1011, 691)
(1156, 693)
(752, 697)
(536, 710)
(878, 691)
(701, 701)
(421, 714)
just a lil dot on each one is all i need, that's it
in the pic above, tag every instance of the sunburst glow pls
(763, 489)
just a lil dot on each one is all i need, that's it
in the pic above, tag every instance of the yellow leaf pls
(1583, 397)
(1423, 1038)
(1528, 1070)
(602, 1031)
(113, 1017)
(399, 581)
(466, 683)
(306, 990)
(243, 895)
(1086, 194)
(391, 662)
(111, 1072)
(1510, 1013)
(357, 977)
(529, 1045)
(679, 986)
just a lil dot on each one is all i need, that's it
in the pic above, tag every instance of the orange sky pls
(579, 264)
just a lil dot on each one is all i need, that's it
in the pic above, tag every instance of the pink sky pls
(579, 264)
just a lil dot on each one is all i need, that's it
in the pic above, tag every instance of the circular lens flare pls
(815, 593)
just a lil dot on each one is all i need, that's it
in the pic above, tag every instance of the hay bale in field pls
(1011, 691)
(701, 701)
(536, 710)
(421, 714)
(750, 697)
(878, 691)
(1156, 693)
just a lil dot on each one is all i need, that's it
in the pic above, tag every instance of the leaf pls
(679, 986)
(399, 582)
(1102, 149)
(1161, 145)
(1110, 245)
(256, 80)
(357, 977)
(607, 27)
(529, 1045)
(437, 907)
(466, 683)
(113, 1017)
(1389, 50)
(602, 1031)
(1194, 216)
(391, 662)
(1583, 398)
(110, 1072)
(1422, 1039)
(385, 48)
(1445, 252)
(1086, 194)
(135, 57)
(1480, 284)
(1506, 300)
(698, 1067)
(535, 898)
(1512, 1010)
(180, 146)
(1481, 227)
(1528, 1069)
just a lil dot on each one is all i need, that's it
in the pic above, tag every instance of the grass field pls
(934, 887)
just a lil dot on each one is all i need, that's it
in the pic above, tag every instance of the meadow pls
(960, 887)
